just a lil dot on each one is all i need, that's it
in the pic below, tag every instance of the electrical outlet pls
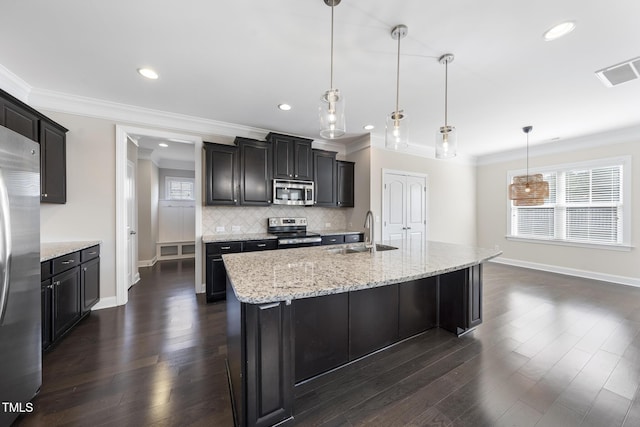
(220, 229)
(235, 228)
(327, 224)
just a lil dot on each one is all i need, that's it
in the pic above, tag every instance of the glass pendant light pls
(331, 107)
(528, 190)
(446, 136)
(397, 132)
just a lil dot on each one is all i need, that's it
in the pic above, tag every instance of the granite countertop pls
(211, 238)
(52, 250)
(330, 232)
(288, 274)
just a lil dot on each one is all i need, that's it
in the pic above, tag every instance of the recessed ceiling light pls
(368, 127)
(163, 145)
(559, 30)
(148, 73)
(284, 107)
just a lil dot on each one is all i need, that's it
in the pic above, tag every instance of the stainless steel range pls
(292, 233)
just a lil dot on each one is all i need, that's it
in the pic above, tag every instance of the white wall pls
(147, 211)
(591, 262)
(451, 187)
(89, 213)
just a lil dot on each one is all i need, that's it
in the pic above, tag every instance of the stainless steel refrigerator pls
(20, 306)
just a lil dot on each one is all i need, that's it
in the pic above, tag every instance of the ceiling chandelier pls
(397, 123)
(528, 190)
(446, 136)
(331, 108)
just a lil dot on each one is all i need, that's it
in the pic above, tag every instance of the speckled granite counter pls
(272, 276)
(52, 250)
(239, 237)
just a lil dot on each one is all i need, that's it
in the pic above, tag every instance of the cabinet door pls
(333, 239)
(53, 167)
(418, 306)
(282, 158)
(346, 172)
(18, 119)
(475, 295)
(324, 175)
(255, 172)
(221, 174)
(216, 279)
(302, 160)
(90, 284)
(373, 319)
(66, 301)
(45, 299)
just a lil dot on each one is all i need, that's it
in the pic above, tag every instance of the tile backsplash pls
(254, 219)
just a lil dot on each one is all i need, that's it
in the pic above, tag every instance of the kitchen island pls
(297, 313)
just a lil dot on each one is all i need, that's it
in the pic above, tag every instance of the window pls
(177, 188)
(588, 204)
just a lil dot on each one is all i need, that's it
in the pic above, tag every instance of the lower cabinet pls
(461, 299)
(373, 319)
(70, 286)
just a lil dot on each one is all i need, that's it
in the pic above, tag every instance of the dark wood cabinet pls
(221, 180)
(53, 164)
(255, 172)
(17, 117)
(418, 305)
(28, 122)
(292, 157)
(321, 334)
(70, 286)
(325, 177)
(373, 319)
(345, 184)
(89, 284)
(216, 274)
(259, 245)
(354, 238)
(461, 299)
(333, 239)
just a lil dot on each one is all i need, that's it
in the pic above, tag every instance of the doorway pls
(404, 207)
(123, 261)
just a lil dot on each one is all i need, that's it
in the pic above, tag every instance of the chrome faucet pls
(369, 222)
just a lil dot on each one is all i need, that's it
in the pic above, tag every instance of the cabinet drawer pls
(45, 270)
(65, 262)
(90, 253)
(333, 239)
(260, 245)
(223, 248)
(354, 238)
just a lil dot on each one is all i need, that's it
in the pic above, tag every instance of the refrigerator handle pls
(5, 247)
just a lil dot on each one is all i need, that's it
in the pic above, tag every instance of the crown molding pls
(616, 136)
(14, 85)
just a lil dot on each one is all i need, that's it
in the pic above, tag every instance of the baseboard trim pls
(594, 275)
(107, 302)
(148, 262)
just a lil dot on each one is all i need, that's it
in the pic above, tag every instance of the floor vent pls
(620, 73)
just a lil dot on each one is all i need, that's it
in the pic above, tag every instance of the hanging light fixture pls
(397, 132)
(528, 190)
(446, 136)
(331, 108)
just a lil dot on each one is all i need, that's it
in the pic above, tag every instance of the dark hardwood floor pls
(553, 351)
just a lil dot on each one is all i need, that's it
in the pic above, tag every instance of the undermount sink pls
(360, 249)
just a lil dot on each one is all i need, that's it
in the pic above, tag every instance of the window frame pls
(167, 191)
(559, 169)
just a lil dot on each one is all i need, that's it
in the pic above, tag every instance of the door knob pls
(132, 232)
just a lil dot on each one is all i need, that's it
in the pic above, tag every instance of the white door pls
(132, 252)
(404, 213)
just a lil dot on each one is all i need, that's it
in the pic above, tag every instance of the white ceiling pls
(234, 61)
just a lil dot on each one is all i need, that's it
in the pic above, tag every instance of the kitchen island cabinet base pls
(272, 347)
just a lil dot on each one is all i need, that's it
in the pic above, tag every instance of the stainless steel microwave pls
(286, 192)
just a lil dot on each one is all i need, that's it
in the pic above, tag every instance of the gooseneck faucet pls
(370, 224)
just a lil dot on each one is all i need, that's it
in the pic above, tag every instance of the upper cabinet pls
(346, 175)
(28, 122)
(325, 177)
(255, 172)
(221, 180)
(292, 157)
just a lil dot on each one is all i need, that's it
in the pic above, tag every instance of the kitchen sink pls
(360, 249)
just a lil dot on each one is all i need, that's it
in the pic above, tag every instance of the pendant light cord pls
(446, 85)
(397, 115)
(331, 83)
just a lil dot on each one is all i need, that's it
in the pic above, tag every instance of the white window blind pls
(585, 205)
(177, 188)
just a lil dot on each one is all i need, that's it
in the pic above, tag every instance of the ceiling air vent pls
(620, 73)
